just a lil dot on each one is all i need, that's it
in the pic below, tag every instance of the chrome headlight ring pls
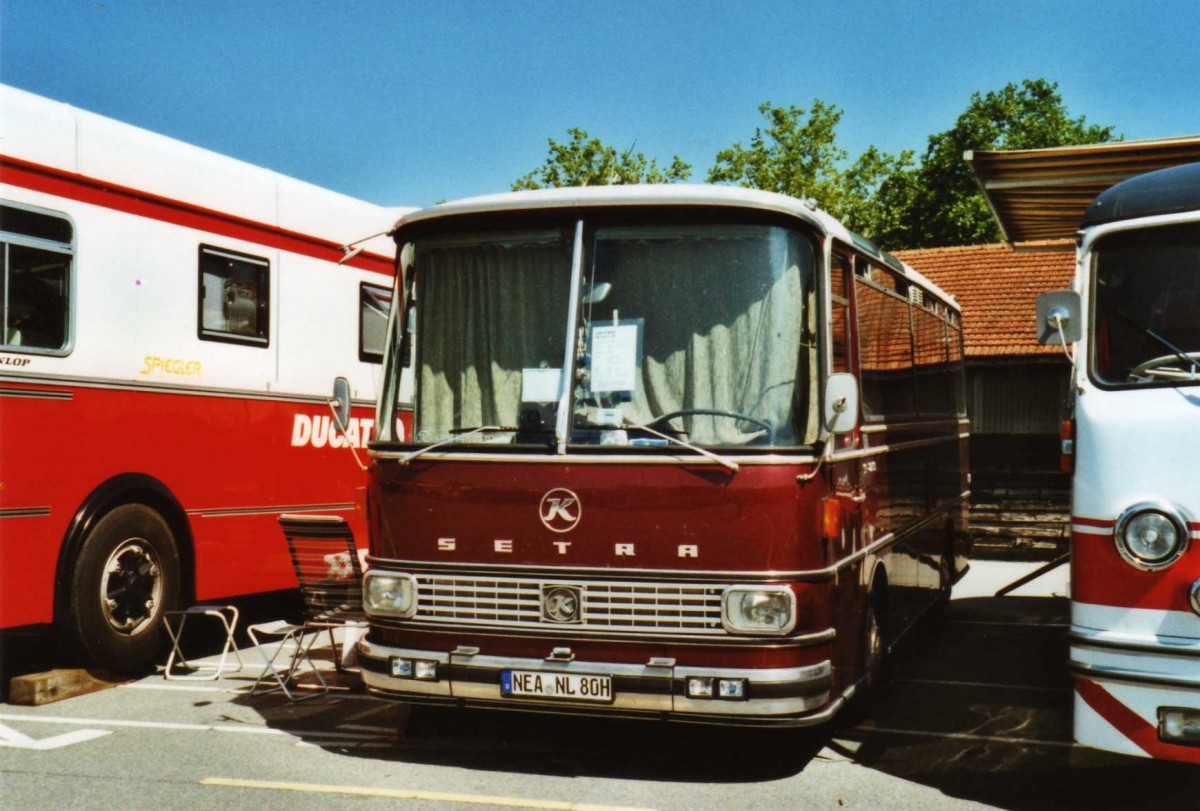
(1150, 509)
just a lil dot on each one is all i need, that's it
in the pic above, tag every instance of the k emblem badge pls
(561, 604)
(560, 510)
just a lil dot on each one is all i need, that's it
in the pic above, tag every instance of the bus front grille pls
(682, 608)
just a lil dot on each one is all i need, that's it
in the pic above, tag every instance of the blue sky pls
(409, 103)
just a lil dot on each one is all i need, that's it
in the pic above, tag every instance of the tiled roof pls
(997, 287)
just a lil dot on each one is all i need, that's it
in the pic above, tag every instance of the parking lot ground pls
(976, 714)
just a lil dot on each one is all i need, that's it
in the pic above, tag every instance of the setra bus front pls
(1135, 556)
(609, 501)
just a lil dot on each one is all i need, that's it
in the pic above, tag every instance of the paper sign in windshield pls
(614, 358)
(540, 385)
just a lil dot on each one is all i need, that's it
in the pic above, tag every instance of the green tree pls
(797, 154)
(944, 205)
(586, 161)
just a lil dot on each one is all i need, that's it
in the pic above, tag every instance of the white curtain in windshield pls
(489, 308)
(729, 323)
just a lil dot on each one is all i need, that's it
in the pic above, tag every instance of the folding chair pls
(283, 632)
(176, 621)
(328, 571)
(330, 577)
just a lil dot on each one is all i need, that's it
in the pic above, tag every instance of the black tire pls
(874, 645)
(126, 577)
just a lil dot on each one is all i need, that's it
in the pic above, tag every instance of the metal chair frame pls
(176, 621)
(329, 574)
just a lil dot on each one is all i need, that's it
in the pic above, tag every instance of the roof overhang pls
(1041, 194)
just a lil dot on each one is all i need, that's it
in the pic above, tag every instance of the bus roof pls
(672, 194)
(1165, 191)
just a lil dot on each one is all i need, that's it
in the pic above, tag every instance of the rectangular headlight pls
(1179, 725)
(389, 595)
(769, 610)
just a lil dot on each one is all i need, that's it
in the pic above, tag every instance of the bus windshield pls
(703, 333)
(1147, 307)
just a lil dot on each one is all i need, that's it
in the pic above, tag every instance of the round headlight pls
(1151, 536)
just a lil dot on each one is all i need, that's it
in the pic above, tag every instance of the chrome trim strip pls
(879, 427)
(1131, 643)
(651, 458)
(1140, 677)
(36, 394)
(568, 633)
(576, 458)
(24, 512)
(172, 388)
(229, 512)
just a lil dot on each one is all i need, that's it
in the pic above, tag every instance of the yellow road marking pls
(404, 794)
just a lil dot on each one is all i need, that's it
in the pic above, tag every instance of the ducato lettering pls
(318, 430)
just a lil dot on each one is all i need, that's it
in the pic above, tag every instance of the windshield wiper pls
(721, 460)
(459, 435)
(1176, 351)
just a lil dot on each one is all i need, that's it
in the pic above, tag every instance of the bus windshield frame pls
(1145, 291)
(701, 325)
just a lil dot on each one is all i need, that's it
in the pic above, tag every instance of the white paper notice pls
(540, 385)
(614, 358)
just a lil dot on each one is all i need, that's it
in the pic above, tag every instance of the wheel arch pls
(126, 488)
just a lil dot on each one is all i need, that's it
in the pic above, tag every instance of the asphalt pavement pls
(976, 714)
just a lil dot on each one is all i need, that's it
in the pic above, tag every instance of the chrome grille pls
(680, 608)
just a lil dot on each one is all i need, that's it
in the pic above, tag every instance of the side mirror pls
(1059, 310)
(340, 402)
(841, 403)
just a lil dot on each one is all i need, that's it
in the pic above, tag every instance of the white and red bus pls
(173, 323)
(641, 480)
(1134, 311)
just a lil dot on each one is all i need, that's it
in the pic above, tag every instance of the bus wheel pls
(127, 575)
(874, 650)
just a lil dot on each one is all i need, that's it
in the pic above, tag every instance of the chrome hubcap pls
(131, 587)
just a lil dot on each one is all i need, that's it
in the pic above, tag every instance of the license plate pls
(567, 686)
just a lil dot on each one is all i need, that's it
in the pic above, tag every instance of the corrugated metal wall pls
(1019, 398)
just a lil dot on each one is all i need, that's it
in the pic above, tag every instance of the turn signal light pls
(831, 518)
(1066, 436)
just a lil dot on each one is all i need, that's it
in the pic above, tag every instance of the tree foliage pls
(947, 207)
(797, 154)
(587, 161)
(896, 200)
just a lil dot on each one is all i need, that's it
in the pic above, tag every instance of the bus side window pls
(839, 307)
(374, 304)
(935, 383)
(885, 352)
(35, 279)
(234, 297)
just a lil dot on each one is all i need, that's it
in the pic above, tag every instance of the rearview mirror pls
(340, 402)
(841, 403)
(1059, 312)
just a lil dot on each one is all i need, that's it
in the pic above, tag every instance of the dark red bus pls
(684, 452)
